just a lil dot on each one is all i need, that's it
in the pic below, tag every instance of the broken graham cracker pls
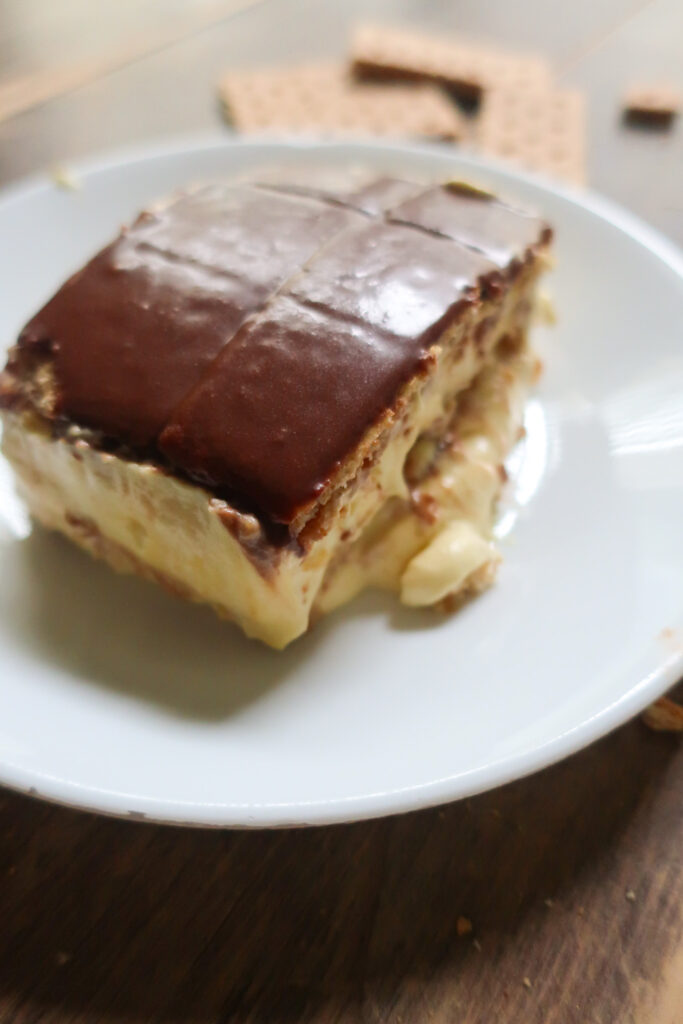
(469, 69)
(541, 131)
(324, 97)
(655, 105)
(665, 715)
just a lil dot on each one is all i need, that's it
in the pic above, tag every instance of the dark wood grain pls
(117, 921)
(572, 879)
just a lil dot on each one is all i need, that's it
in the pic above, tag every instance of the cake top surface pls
(251, 335)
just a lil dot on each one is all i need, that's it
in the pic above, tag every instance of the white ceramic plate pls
(117, 697)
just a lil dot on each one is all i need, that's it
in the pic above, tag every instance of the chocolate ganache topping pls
(251, 334)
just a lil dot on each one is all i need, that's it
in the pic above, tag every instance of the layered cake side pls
(266, 398)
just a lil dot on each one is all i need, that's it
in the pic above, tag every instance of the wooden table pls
(573, 879)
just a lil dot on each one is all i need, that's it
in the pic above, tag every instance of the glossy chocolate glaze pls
(474, 218)
(136, 328)
(379, 196)
(373, 198)
(321, 364)
(254, 333)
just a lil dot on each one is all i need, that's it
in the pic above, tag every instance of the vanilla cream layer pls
(139, 518)
(439, 542)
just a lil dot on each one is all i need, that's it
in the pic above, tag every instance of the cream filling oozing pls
(439, 541)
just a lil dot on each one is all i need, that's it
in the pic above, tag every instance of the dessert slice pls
(266, 398)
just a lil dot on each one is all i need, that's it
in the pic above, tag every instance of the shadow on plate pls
(132, 637)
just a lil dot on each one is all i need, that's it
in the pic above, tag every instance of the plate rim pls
(638, 692)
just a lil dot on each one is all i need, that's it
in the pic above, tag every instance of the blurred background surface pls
(78, 76)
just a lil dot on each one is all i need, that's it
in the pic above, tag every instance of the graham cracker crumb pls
(655, 104)
(665, 715)
(66, 179)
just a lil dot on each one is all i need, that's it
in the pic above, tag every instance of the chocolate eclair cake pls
(269, 397)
